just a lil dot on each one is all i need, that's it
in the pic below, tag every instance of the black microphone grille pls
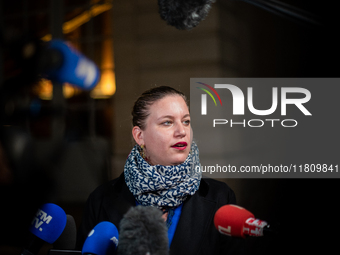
(67, 239)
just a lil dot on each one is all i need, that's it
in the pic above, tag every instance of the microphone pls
(143, 231)
(62, 63)
(102, 239)
(47, 225)
(184, 14)
(233, 220)
(67, 239)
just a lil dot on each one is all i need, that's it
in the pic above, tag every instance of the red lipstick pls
(180, 145)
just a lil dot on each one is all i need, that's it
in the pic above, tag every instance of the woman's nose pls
(180, 130)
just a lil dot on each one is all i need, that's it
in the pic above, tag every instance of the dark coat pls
(195, 232)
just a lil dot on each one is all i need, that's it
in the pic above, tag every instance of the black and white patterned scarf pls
(162, 186)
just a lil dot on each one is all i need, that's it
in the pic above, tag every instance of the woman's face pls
(166, 136)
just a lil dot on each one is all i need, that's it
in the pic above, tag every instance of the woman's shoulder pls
(107, 188)
(216, 184)
(217, 190)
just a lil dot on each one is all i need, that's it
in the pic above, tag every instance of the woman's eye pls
(186, 122)
(167, 123)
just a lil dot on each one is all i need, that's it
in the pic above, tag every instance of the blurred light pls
(106, 86)
(69, 90)
(44, 90)
(81, 19)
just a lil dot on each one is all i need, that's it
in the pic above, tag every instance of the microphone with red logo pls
(233, 220)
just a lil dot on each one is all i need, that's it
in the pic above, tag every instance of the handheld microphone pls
(102, 239)
(143, 231)
(67, 239)
(47, 225)
(233, 220)
(63, 63)
(184, 14)
(66, 243)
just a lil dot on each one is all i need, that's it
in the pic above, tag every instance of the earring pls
(142, 153)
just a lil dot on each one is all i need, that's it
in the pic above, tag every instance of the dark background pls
(251, 42)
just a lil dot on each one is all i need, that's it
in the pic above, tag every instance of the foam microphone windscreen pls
(67, 239)
(48, 223)
(102, 239)
(184, 14)
(230, 220)
(143, 231)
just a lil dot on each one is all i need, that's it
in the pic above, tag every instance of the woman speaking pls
(160, 172)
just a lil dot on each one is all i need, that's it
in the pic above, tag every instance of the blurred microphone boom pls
(236, 221)
(63, 63)
(184, 14)
(102, 239)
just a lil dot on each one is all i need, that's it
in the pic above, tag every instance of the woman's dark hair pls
(140, 109)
